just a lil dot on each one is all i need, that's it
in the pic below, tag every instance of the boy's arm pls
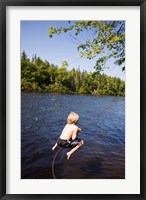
(53, 148)
(75, 133)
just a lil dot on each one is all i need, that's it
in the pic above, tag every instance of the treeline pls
(41, 76)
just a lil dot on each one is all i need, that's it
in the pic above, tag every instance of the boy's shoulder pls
(75, 126)
(72, 126)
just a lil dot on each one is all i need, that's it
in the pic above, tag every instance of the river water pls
(43, 117)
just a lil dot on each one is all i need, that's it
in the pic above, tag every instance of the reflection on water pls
(43, 118)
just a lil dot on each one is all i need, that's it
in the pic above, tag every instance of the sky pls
(35, 40)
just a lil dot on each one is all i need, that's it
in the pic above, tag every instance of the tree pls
(24, 56)
(64, 64)
(40, 76)
(108, 42)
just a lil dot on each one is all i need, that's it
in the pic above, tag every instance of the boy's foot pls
(68, 156)
(53, 148)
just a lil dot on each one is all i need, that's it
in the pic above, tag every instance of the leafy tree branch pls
(108, 41)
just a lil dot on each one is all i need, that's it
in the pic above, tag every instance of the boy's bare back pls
(69, 132)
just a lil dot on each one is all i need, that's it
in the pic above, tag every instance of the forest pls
(41, 76)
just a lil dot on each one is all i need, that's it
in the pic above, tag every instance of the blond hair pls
(72, 118)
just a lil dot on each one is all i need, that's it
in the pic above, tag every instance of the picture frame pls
(4, 109)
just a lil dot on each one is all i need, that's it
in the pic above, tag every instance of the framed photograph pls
(72, 109)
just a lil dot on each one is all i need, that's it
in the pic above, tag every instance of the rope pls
(54, 162)
(95, 116)
(98, 114)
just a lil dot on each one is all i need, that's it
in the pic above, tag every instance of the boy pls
(68, 137)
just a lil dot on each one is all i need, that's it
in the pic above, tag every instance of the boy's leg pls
(74, 149)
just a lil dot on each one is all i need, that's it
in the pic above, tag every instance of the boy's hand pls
(79, 129)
